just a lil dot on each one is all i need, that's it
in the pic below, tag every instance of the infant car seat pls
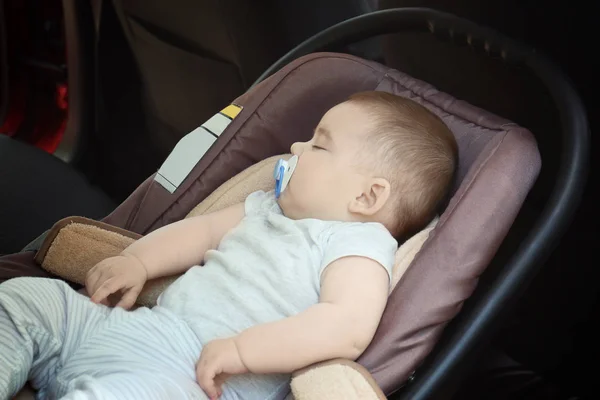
(498, 165)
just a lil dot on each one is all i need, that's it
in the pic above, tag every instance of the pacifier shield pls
(283, 173)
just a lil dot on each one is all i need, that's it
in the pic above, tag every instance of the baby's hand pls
(219, 359)
(120, 273)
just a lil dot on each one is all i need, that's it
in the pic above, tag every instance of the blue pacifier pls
(282, 173)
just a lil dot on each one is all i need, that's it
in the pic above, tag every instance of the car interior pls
(95, 95)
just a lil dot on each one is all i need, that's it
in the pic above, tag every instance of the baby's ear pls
(373, 198)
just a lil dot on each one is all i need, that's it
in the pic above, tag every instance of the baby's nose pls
(296, 148)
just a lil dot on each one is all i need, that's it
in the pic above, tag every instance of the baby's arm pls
(167, 251)
(354, 293)
(176, 247)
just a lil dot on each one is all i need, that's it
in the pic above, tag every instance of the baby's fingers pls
(91, 280)
(206, 380)
(129, 298)
(107, 288)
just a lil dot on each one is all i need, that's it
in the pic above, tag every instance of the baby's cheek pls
(297, 179)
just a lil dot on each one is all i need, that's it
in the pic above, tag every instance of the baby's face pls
(327, 177)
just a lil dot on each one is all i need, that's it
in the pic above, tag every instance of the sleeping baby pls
(286, 279)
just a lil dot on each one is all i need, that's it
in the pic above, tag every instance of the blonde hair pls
(415, 151)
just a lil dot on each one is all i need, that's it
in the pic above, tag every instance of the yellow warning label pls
(231, 111)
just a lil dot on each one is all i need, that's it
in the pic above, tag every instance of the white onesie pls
(269, 268)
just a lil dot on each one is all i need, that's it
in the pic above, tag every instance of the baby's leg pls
(144, 354)
(42, 321)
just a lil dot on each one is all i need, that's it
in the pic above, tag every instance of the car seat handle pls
(445, 26)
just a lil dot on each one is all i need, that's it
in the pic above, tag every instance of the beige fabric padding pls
(335, 380)
(408, 250)
(256, 177)
(78, 244)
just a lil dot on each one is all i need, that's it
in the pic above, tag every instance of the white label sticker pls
(183, 158)
(192, 147)
(217, 124)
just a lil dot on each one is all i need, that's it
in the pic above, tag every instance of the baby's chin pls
(286, 203)
(283, 202)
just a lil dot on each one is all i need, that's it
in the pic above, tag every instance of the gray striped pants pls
(70, 348)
